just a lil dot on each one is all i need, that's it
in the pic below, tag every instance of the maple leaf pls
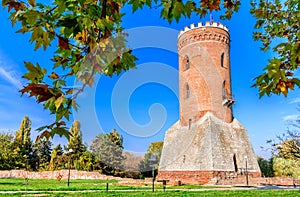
(70, 91)
(53, 76)
(63, 43)
(32, 3)
(16, 5)
(40, 91)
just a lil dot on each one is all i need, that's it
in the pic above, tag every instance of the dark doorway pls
(235, 163)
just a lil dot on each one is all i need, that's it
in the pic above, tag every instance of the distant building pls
(207, 142)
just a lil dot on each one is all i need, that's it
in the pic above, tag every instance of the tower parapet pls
(203, 32)
(206, 24)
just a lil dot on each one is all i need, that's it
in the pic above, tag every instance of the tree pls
(43, 150)
(286, 167)
(287, 145)
(289, 149)
(22, 137)
(6, 150)
(154, 149)
(23, 145)
(131, 165)
(266, 166)
(75, 140)
(108, 150)
(57, 160)
(85, 161)
(278, 28)
(90, 41)
(286, 151)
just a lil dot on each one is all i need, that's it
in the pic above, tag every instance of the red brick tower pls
(204, 67)
(206, 144)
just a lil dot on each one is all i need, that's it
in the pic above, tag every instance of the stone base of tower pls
(210, 148)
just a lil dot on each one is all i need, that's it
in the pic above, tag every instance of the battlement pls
(202, 25)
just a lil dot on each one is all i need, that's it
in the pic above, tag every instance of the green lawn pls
(256, 193)
(51, 185)
(98, 188)
(48, 185)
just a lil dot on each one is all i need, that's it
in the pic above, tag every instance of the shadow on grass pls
(11, 183)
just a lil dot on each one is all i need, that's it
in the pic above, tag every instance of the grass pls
(12, 184)
(256, 193)
(98, 188)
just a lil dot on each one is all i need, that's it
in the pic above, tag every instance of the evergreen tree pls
(56, 161)
(43, 150)
(75, 141)
(108, 150)
(266, 166)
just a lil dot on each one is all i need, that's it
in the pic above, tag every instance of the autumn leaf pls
(16, 5)
(70, 91)
(63, 43)
(53, 76)
(40, 91)
(45, 134)
(211, 4)
(81, 28)
(59, 102)
(61, 123)
(32, 3)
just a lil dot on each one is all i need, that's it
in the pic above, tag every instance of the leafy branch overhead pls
(278, 29)
(89, 40)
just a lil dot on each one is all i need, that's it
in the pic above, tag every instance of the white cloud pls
(295, 100)
(11, 77)
(291, 117)
(9, 74)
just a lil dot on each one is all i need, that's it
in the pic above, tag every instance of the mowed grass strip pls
(13, 184)
(232, 193)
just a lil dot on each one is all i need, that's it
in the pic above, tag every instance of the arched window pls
(224, 96)
(187, 91)
(222, 60)
(187, 63)
(190, 123)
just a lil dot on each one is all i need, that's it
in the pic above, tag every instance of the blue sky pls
(264, 118)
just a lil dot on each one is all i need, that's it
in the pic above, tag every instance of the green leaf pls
(61, 131)
(296, 81)
(50, 102)
(178, 10)
(35, 73)
(259, 24)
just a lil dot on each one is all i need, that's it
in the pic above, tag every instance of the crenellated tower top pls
(201, 25)
(203, 32)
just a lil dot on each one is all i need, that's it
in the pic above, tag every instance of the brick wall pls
(204, 47)
(186, 177)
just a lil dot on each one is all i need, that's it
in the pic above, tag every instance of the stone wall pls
(209, 145)
(74, 174)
